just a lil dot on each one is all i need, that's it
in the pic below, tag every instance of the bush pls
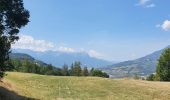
(151, 77)
(99, 73)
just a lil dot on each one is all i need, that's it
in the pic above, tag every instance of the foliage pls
(163, 67)
(13, 16)
(85, 71)
(99, 73)
(65, 71)
(75, 70)
(151, 77)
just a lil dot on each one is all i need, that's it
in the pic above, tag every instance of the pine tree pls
(85, 71)
(26, 66)
(91, 71)
(77, 69)
(65, 70)
(71, 71)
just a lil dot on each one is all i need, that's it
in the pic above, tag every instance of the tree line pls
(76, 69)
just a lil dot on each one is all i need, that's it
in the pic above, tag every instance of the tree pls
(85, 71)
(65, 70)
(26, 66)
(49, 69)
(163, 67)
(77, 69)
(98, 73)
(105, 75)
(71, 70)
(91, 71)
(17, 64)
(151, 77)
(37, 68)
(13, 16)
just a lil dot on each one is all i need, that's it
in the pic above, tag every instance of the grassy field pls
(84, 88)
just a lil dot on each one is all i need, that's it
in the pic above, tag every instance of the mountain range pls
(142, 66)
(58, 58)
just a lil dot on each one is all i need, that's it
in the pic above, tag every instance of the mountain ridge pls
(22, 56)
(142, 66)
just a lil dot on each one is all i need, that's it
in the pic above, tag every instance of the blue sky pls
(114, 30)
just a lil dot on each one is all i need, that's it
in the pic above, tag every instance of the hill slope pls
(22, 57)
(85, 88)
(142, 66)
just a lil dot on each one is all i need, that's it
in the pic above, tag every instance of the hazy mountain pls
(22, 57)
(142, 66)
(58, 59)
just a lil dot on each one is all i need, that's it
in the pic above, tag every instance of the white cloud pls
(143, 2)
(94, 53)
(166, 25)
(28, 42)
(65, 49)
(146, 3)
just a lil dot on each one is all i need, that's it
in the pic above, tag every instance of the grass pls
(85, 88)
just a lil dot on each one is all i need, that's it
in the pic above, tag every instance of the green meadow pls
(43, 87)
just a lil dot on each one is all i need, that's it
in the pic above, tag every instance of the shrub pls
(151, 77)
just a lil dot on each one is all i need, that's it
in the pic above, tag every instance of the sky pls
(114, 30)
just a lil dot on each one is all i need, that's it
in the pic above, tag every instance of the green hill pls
(82, 88)
(21, 57)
